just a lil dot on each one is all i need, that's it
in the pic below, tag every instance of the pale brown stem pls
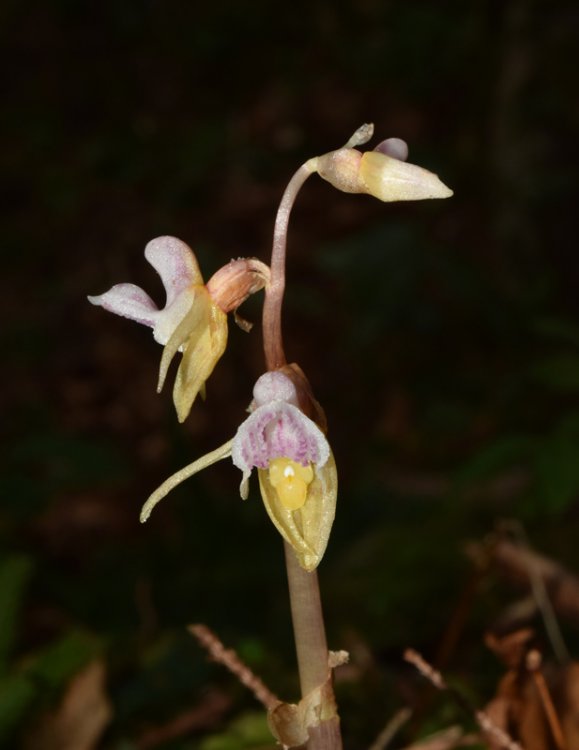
(311, 644)
(308, 622)
(272, 338)
(304, 591)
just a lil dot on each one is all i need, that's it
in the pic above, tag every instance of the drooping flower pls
(194, 318)
(279, 437)
(383, 172)
(296, 468)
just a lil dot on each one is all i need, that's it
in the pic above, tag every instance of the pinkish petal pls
(278, 430)
(175, 263)
(130, 301)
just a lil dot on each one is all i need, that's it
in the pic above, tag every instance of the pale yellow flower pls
(383, 172)
(194, 318)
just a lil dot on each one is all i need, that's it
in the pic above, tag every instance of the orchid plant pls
(284, 435)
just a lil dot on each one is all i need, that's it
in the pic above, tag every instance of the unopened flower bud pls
(383, 173)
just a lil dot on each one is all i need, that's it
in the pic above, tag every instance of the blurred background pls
(442, 339)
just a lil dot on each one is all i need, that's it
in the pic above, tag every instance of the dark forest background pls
(442, 339)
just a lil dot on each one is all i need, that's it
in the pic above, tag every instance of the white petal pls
(175, 263)
(130, 301)
(169, 318)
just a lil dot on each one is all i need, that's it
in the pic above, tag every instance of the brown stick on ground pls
(501, 738)
(229, 659)
(390, 730)
(518, 563)
(533, 664)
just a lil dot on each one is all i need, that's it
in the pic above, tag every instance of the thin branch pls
(231, 661)
(482, 719)
(426, 670)
(391, 729)
(533, 664)
(541, 595)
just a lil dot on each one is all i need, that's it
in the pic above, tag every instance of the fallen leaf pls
(79, 720)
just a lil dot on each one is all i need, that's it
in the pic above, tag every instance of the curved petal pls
(175, 263)
(181, 332)
(278, 430)
(307, 529)
(201, 352)
(218, 454)
(130, 301)
(171, 316)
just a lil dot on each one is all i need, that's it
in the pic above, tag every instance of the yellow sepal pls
(390, 179)
(306, 529)
(203, 336)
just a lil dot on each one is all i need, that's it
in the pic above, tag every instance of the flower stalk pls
(312, 649)
(304, 590)
(272, 336)
(384, 174)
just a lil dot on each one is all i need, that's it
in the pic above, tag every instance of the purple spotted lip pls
(276, 429)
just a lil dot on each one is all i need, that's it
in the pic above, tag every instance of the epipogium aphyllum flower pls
(194, 319)
(296, 468)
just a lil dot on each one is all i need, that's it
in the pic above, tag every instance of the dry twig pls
(521, 566)
(391, 729)
(533, 664)
(229, 659)
(541, 594)
(484, 722)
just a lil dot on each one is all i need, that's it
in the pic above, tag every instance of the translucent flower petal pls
(169, 318)
(218, 454)
(130, 301)
(202, 335)
(201, 354)
(181, 330)
(175, 263)
(307, 529)
(390, 179)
